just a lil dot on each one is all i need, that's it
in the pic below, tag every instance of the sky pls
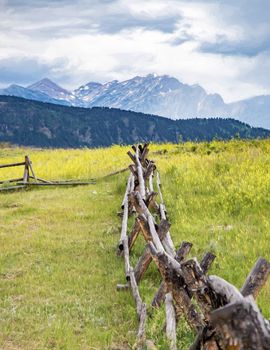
(222, 45)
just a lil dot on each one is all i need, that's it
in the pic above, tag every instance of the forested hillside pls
(32, 123)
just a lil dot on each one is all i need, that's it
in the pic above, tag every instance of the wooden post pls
(149, 170)
(132, 157)
(125, 205)
(140, 174)
(144, 153)
(141, 330)
(257, 278)
(126, 257)
(176, 284)
(142, 264)
(180, 255)
(134, 234)
(146, 257)
(242, 326)
(141, 309)
(150, 182)
(170, 321)
(26, 171)
(141, 208)
(128, 187)
(207, 261)
(167, 242)
(30, 167)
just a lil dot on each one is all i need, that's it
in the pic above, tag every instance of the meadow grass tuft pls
(58, 267)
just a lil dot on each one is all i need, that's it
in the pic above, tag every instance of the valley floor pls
(58, 267)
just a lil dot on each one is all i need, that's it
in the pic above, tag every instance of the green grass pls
(58, 267)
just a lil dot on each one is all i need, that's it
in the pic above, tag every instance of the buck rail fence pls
(29, 175)
(221, 316)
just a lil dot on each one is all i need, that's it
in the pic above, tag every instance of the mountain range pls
(39, 124)
(152, 94)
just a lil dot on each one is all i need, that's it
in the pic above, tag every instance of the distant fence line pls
(222, 317)
(29, 175)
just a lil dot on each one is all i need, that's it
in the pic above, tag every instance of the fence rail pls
(29, 175)
(11, 165)
(221, 316)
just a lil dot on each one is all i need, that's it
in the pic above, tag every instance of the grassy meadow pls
(58, 267)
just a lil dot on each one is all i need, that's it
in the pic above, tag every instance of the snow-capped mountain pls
(254, 111)
(166, 96)
(161, 95)
(87, 92)
(17, 90)
(32, 94)
(54, 91)
(151, 94)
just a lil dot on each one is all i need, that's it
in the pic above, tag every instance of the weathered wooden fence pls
(29, 178)
(221, 316)
(28, 173)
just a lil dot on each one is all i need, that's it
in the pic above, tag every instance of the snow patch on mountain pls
(152, 94)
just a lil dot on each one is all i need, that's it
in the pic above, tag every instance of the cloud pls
(250, 21)
(21, 70)
(245, 47)
(222, 45)
(25, 70)
(65, 16)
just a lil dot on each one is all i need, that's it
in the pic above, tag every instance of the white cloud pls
(197, 42)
